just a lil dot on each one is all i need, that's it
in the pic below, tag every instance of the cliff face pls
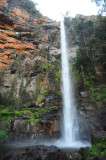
(29, 70)
(30, 74)
(28, 44)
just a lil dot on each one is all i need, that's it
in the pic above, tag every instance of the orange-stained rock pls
(39, 58)
(44, 38)
(5, 57)
(51, 129)
(3, 36)
(1, 26)
(1, 41)
(15, 26)
(16, 18)
(8, 27)
(4, 61)
(10, 33)
(2, 65)
(35, 20)
(28, 52)
(19, 46)
(5, 26)
(7, 52)
(20, 13)
(1, 46)
(1, 3)
(12, 40)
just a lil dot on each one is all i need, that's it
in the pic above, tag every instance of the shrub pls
(3, 135)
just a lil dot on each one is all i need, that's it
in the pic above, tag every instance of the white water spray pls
(67, 91)
(71, 134)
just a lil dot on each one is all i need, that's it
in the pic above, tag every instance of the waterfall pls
(70, 128)
(71, 133)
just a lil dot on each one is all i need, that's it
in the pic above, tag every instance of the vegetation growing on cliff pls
(3, 135)
(90, 62)
(98, 149)
(47, 74)
(28, 5)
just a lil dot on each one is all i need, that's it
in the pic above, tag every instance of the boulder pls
(36, 153)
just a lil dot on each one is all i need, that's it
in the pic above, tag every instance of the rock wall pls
(25, 43)
(47, 129)
(29, 51)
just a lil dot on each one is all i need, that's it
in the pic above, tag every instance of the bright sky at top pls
(55, 8)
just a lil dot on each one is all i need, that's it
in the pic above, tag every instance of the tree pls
(90, 36)
(101, 4)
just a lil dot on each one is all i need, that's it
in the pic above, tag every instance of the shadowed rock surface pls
(36, 153)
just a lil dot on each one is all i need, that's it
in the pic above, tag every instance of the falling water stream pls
(71, 133)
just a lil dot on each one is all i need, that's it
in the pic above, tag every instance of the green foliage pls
(96, 140)
(3, 135)
(34, 120)
(76, 154)
(6, 112)
(98, 149)
(48, 66)
(44, 91)
(30, 6)
(68, 19)
(82, 63)
(101, 4)
(98, 93)
(95, 151)
(59, 93)
(58, 76)
(40, 97)
(29, 114)
(50, 70)
(90, 37)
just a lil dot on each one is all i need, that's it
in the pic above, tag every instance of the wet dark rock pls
(104, 127)
(57, 56)
(73, 156)
(36, 153)
(92, 119)
(48, 26)
(76, 157)
(31, 105)
(6, 19)
(82, 151)
(98, 158)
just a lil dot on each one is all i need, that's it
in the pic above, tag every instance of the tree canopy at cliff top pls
(101, 4)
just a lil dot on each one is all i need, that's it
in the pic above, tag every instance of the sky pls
(55, 8)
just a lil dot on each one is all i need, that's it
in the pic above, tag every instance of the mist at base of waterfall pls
(4, 148)
(74, 145)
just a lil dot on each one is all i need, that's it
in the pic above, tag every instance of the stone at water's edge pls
(36, 153)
